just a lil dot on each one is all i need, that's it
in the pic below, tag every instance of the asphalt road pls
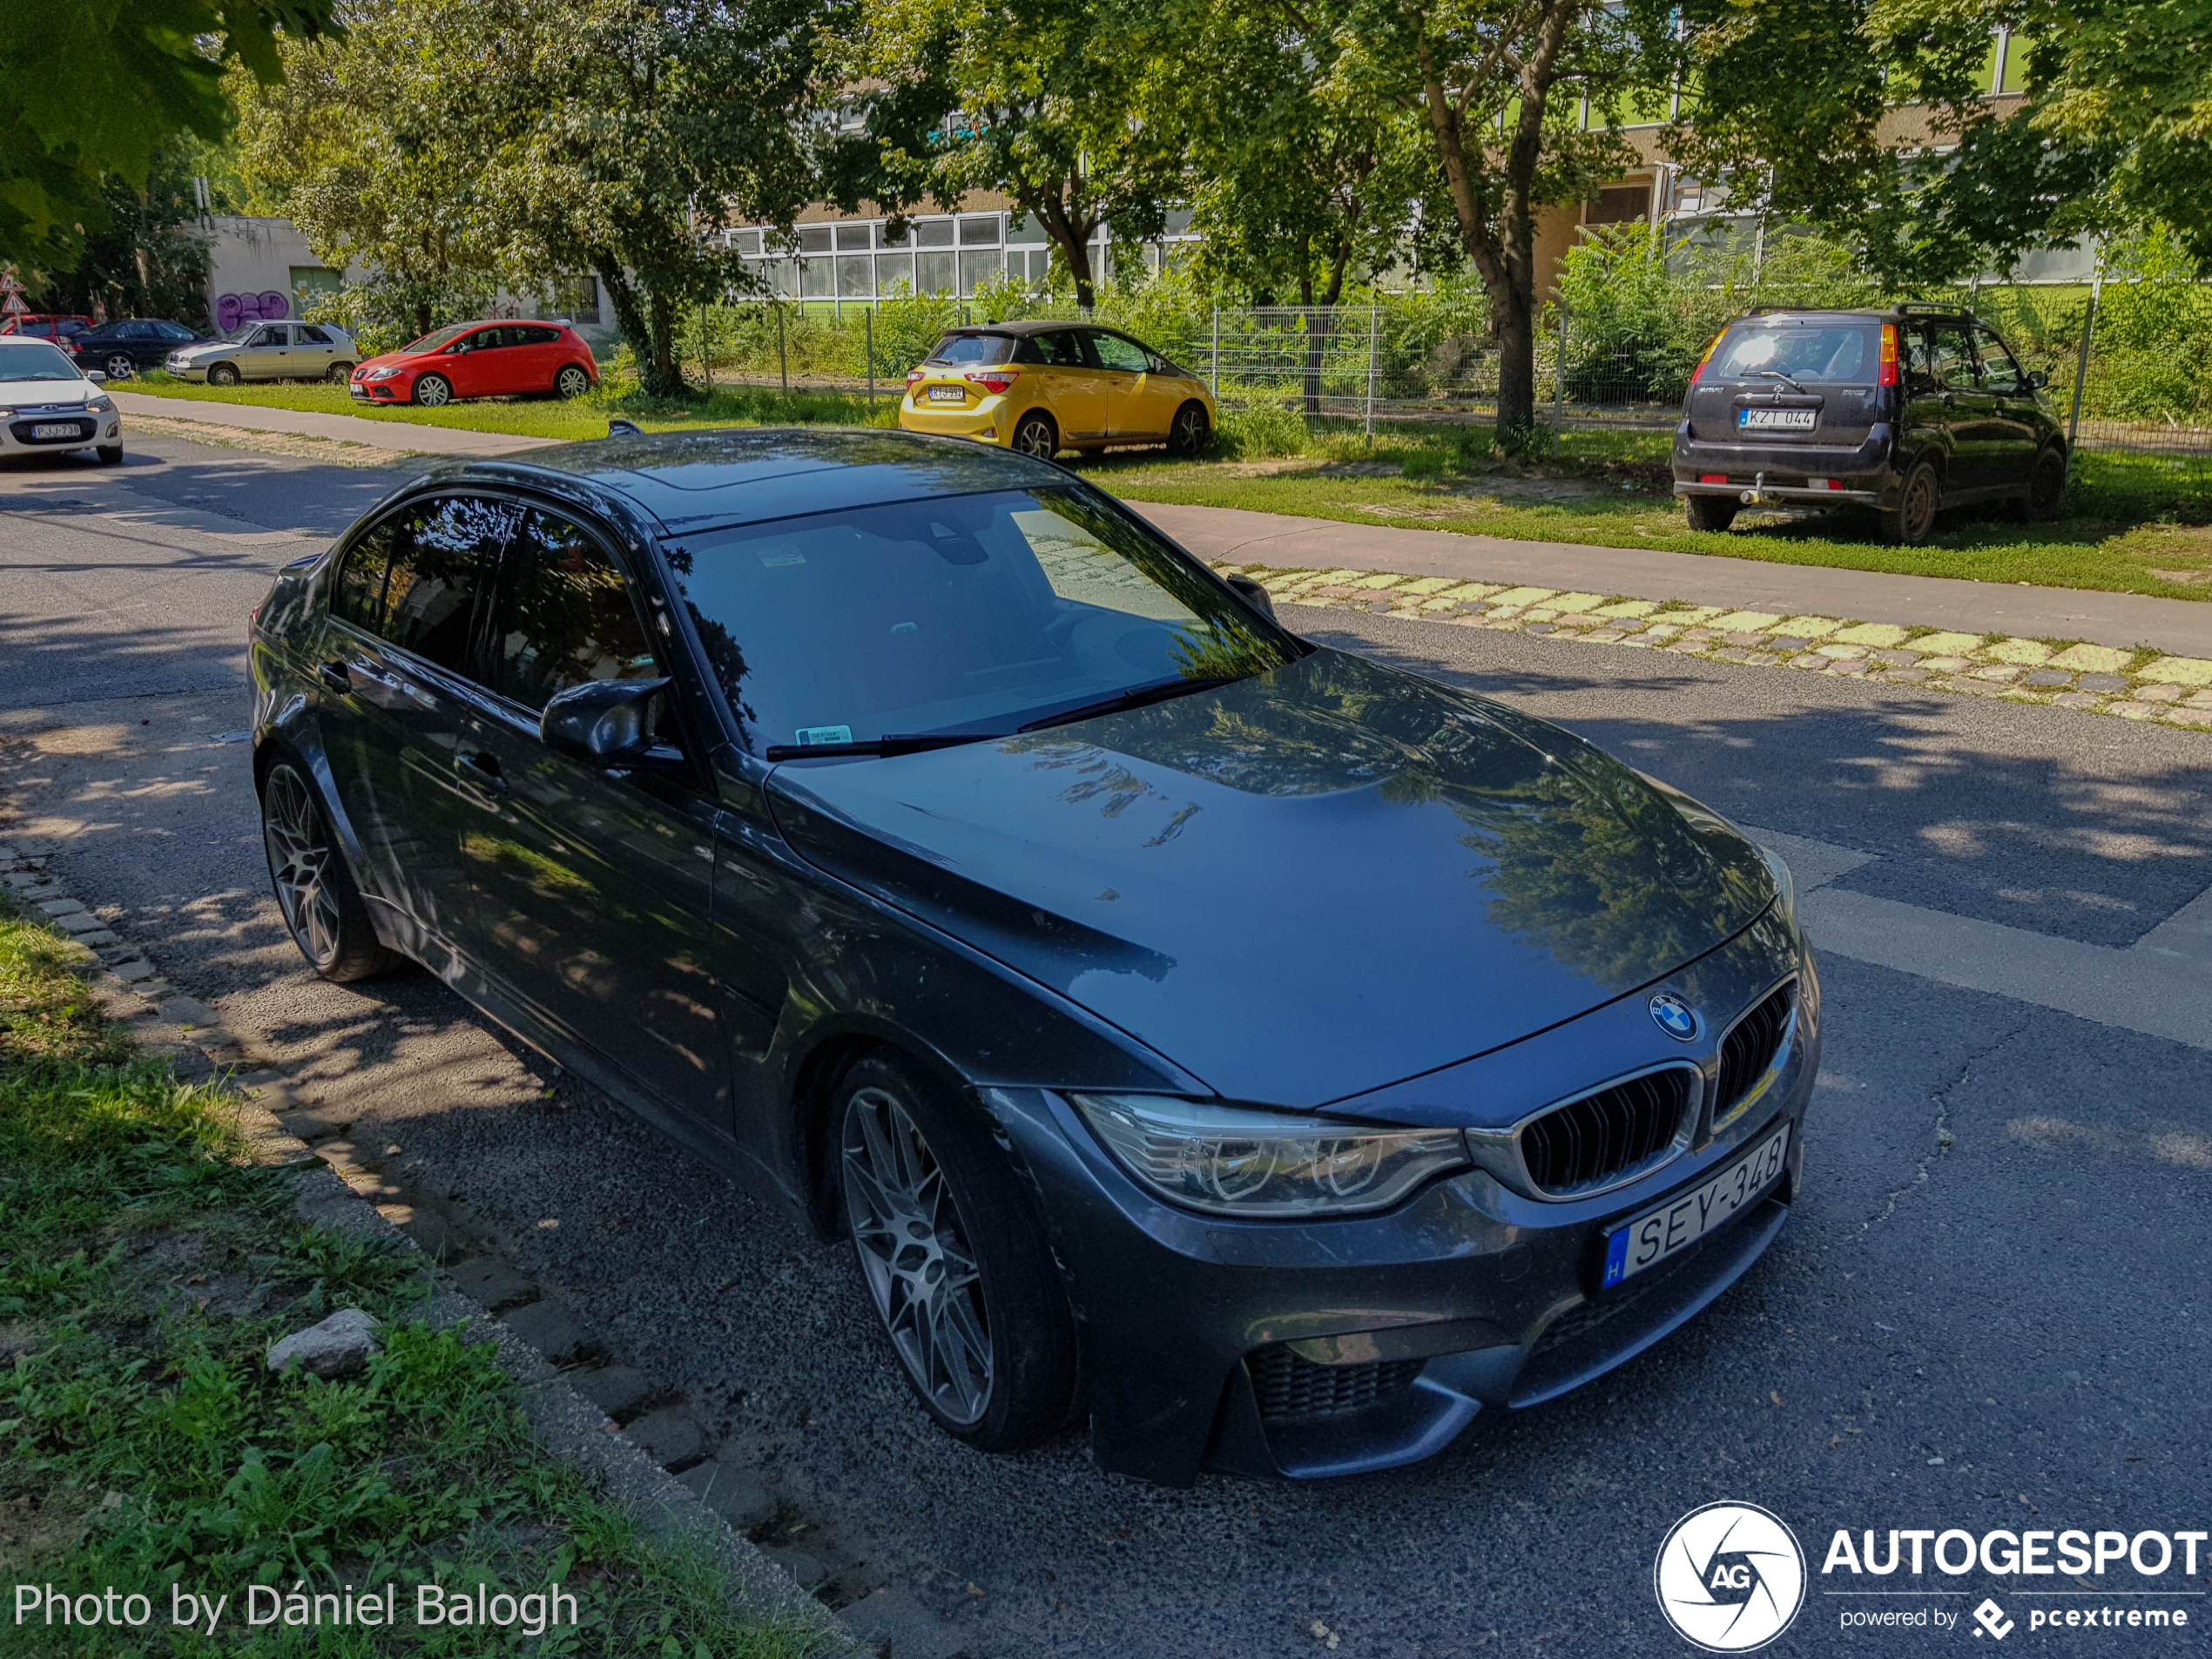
(1988, 1310)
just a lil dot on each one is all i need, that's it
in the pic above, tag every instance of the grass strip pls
(145, 1448)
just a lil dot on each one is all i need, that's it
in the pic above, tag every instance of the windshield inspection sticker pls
(807, 736)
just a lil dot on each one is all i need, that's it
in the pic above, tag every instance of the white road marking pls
(2161, 986)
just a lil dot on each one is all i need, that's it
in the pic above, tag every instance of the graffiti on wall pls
(232, 309)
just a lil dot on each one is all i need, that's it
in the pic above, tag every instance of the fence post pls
(2081, 363)
(783, 354)
(1374, 317)
(868, 318)
(1559, 379)
(1213, 367)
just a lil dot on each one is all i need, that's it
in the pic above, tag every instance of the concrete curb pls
(190, 1035)
(405, 437)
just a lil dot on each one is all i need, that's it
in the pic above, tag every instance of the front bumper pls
(88, 429)
(1309, 1349)
(185, 371)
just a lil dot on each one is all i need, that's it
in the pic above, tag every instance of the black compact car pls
(1269, 1057)
(1908, 411)
(121, 349)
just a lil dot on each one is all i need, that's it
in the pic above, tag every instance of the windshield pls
(439, 337)
(36, 362)
(1826, 353)
(964, 613)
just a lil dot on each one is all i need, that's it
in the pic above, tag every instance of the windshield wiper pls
(899, 742)
(1136, 697)
(1776, 373)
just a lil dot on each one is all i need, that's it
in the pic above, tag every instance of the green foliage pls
(91, 91)
(1260, 431)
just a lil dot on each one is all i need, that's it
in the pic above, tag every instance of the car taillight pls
(992, 379)
(916, 375)
(1889, 354)
(1697, 373)
(1712, 477)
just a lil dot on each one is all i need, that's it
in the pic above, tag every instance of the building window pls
(576, 298)
(934, 272)
(855, 276)
(891, 269)
(813, 238)
(978, 267)
(979, 230)
(1619, 205)
(814, 279)
(933, 233)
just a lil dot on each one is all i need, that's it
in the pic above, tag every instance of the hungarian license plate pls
(947, 394)
(1777, 420)
(1687, 1217)
(56, 430)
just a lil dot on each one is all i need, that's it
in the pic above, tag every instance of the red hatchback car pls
(479, 360)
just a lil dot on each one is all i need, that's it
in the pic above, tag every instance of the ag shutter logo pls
(1729, 1577)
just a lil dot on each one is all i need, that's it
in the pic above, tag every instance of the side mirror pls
(2038, 379)
(602, 723)
(1254, 594)
(98, 376)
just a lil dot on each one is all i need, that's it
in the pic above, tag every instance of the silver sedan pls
(268, 351)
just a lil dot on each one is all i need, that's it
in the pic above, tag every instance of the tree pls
(374, 146)
(91, 90)
(1043, 99)
(1522, 101)
(145, 258)
(1299, 181)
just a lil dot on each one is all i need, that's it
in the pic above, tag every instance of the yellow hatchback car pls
(1044, 387)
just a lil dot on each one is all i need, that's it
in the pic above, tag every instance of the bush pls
(1260, 431)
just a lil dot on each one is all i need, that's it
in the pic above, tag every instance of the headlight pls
(383, 373)
(1785, 886)
(1230, 1162)
(102, 404)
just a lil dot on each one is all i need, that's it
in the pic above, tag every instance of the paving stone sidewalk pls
(2138, 685)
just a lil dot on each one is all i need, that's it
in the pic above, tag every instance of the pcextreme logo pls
(1729, 1577)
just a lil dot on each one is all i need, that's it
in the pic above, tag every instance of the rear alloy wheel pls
(571, 382)
(2045, 488)
(339, 373)
(120, 368)
(323, 908)
(1036, 435)
(1191, 432)
(1913, 520)
(223, 375)
(1710, 512)
(433, 391)
(956, 1261)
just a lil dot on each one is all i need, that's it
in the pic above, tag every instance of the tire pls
(1190, 431)
(1913, 520)
(120, 368)
(931, 1202)
(2045, 487)
(1710, 512)
(223, 375)
(1035, 435)
(571, 382)
(109, 455)
(322, 907)
(432, 391)
(339, 373)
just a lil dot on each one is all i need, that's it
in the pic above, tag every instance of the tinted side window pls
(1114, 351)
(1919, 372)
(360, 597)
(1061, 350)
(1954, 359)
(539, 336)
(1999, 372)
(310, 335)
(567, 616)
(443, 556)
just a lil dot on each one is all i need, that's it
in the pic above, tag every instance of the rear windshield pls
(1824, 353)
(974, 348)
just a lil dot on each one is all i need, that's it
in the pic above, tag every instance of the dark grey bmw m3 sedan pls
(1270, 1058)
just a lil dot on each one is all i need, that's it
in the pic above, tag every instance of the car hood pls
(203, 348)
(23, 394)
(394, 359)
(1300, 886)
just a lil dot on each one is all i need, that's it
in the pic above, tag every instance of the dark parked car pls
(1908, 411)
(1271, 1057)
(121, 349)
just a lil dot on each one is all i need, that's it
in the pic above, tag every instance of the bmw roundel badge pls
(1676, 1017)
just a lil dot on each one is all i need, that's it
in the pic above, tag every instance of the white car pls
(47, 402)
(268, 351)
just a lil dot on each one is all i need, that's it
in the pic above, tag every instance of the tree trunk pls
(644, 329)
(1071, 235)
(1513, 320)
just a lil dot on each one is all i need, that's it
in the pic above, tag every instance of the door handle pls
(334, 678)
(482, 771)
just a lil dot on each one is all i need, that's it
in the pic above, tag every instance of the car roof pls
(694, 480)
(1027, 326)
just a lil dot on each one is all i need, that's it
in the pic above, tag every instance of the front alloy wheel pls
(223, 375)
(955, 1258)
(321, 907)
(433, 391)
(1187, 437)
(120, 368)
